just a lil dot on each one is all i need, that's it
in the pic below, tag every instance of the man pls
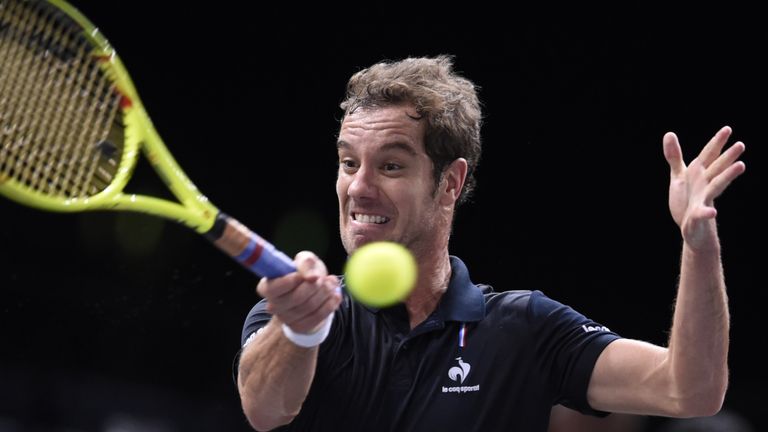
(455, 355)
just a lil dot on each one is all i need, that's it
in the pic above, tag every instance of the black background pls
(124, 320)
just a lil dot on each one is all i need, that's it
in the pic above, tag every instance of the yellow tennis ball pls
(380, 274)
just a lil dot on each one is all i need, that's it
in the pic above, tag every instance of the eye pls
(348, 164)
(390, 167)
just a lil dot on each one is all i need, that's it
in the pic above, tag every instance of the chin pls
(355, 241)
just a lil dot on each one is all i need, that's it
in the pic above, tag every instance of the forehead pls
(382, 125)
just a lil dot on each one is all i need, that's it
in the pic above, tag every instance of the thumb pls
(673, 154)
(310, 266)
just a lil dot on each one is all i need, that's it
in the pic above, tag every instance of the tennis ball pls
(380, 274)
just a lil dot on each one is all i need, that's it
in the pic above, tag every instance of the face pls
(385, 185)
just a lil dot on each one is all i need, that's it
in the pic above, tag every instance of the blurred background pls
(123, 322)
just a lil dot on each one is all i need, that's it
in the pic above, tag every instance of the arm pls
(690, 377)
(274, 373)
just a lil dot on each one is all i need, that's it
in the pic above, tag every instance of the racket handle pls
(248, 248)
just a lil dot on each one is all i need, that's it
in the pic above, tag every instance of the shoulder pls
(520, 300)
(531, 305)
(507, 307)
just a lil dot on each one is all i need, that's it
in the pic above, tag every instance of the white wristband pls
(312, 339)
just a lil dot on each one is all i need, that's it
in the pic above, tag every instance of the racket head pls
(72, 123)
(65, 101)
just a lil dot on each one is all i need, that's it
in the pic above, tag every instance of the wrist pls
(309, 340)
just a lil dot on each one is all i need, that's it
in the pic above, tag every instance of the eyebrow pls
(396, 145)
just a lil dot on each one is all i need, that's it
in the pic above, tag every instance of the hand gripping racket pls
(72, 125)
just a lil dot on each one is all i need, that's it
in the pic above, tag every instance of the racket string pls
(20, 94)
(8, 15)
(76, 173)
(53, 85)
(38, 84)
(16, 20)
(102, 152)
(64, 149)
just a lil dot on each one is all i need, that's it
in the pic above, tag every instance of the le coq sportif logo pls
(459, 373)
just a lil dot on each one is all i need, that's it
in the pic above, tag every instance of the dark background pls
(125, 322)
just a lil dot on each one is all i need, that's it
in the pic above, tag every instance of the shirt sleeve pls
(570, 344)
(257, 318)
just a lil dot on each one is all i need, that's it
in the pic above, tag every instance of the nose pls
(363, 184)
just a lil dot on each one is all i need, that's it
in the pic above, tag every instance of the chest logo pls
(459, 373)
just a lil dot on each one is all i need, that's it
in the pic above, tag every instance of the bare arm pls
(690, 377)
(274, 373)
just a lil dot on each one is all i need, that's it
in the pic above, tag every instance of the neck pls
(434, 275)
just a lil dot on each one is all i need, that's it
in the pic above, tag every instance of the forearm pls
(698, 346)
(274, 378)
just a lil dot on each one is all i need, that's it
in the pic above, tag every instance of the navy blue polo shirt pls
(482, 361)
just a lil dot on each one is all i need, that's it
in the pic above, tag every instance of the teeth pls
(375, 219)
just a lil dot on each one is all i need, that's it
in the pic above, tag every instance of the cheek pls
(414, 202)
(342, 199)
(340, 189)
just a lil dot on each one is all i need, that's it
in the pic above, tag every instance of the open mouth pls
(369, 218)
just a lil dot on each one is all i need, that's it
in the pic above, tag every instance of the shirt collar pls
(462, 301)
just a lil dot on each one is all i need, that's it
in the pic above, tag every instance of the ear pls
(452, 182)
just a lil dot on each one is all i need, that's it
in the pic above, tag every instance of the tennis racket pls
(72, 127)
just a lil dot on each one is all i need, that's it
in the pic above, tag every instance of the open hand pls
(693, 188)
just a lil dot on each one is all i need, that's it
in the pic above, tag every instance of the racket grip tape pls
(248, 248)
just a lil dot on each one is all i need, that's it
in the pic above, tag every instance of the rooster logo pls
(460, 372)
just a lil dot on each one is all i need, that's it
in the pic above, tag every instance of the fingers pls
(703, 213)
(722, 167)
(308, 304)
(714, 147)
(309, 269)
(673, 154)
(724, 179)
(308, 321)
(273, 288)
(711, 157)
(725, 160)
(310, 266)
(708, 155)
(302, 300)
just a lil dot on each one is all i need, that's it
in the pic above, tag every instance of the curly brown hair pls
(448, 102)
